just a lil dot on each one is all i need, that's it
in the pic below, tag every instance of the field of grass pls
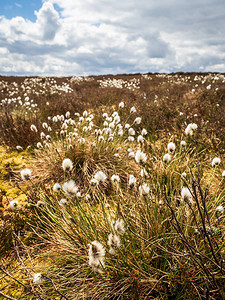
(112, 187)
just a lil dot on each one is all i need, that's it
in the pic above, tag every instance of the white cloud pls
(48, 21)
(99, 37)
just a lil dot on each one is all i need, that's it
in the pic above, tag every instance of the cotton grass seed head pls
(19, 148)
(143, 172)
(121, 105)
(45, 125)
(114, 243)
(67, 114)
(33, 128)
(56, 187)
(13, 204)
(130, 138)
(42, 135)
(131, 154)
(215, 162)
(88, 197)
(144, 189)
(100, 177)
(140, 139)
(70, 188)
(166, 158)
(132, 110)
(37, 279)
(94, 182)
(144, 132)
(190, 129)
(25, 174)
(137, 120)
(183, 143)
(223, 173)
(132, 181)
(131, 131)
(62, 202)
(140, 157)
(186, 195)
(119, 226)
(183, 175)
(39, 145)
(171, 147)
(96, 255)
(67, 164)
(220, 209)
(115, 178)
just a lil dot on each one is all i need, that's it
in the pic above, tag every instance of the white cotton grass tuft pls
(100, 177)
(166, 158)
(132, 110)
(33, 128)
(186, 195)
(132, 181)
(42, 135)
(96, 255)
(143, 172)
(114, 243)
(45, 125)
(88, 197)
(101, 138)
(62, 202)
(56, 187)
(70, 188)
(184, 174)
(137, 120)
(39, 145)
(140, 139)
(19, 148)
(37, 278)
(67, 115)
(190, 129)
(115, 178)
(121, 105)
(131, 131)
(144, 189)
(171, 147)
(215, 162)
(144, 132)
(78, 194)
(140, 157)
(67, 164)
(119, 226)
(220, 209)
(94, 182)
(13, 204)
(131, 154)
(130, 138)
(223, 173)
(25, 174)
(183, 143)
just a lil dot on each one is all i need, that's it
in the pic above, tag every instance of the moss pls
(11, 162)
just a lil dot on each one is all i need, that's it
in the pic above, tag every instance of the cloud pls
(18, 5)
(98, 37)
(48, 21)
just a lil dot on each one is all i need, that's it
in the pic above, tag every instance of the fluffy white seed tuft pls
(25, 174)
(67, 164)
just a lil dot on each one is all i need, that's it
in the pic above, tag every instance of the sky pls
(96, 37)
